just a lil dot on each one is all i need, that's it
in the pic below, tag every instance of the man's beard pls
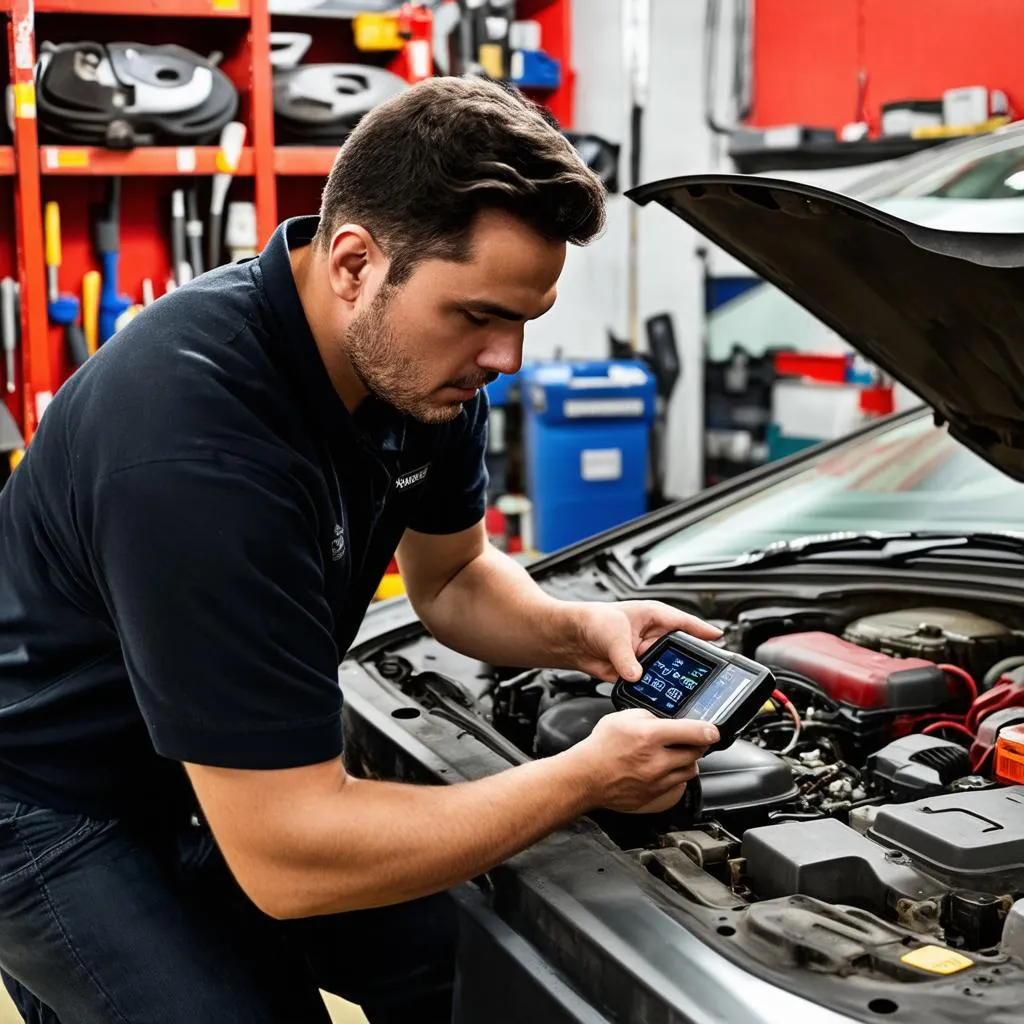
(373, 349)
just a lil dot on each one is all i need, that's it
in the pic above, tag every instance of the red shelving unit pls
(165, 161)
(304, 160)
(555, 19)
(239, 29)
(157, 8)
(8, 238)
(35, 382)
(281, 181)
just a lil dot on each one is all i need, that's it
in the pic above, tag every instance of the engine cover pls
(943, 635)
(829, 861)
(949, 862)
(971, 840)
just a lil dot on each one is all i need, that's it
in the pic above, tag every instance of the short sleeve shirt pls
(192, 539)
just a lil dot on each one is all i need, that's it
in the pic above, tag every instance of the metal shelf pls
(144, 161)
(163, 8)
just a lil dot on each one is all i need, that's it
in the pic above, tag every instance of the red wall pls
(807, 55)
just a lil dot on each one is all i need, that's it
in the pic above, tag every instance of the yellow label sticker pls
(25, 100)
(72, 157)
(225, 5)
(937, 960)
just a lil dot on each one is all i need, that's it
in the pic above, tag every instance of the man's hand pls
(606, 639)
(638, 763)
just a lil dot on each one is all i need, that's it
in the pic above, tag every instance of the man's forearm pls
(493, 610)
(376, 843)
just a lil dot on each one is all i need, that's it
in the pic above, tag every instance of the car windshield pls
(987, 168)
(964, 186)
(912, 476)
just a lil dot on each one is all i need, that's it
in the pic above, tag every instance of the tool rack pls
(281, 181)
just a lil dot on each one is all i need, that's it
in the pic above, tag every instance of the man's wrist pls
(563, 631)
(576, 774)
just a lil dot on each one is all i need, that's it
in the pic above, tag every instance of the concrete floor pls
(341, 1012)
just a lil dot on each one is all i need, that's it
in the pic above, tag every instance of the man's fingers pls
(680, 775)
(663, 618)
(623, 658)
(684, 732)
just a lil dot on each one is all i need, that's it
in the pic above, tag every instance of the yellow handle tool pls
(91, 309)
(51, 230)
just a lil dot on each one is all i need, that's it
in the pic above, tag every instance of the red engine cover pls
(853, 675)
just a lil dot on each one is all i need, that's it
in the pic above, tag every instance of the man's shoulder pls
(192, 374)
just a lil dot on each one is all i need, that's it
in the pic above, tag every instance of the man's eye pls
(478, 321)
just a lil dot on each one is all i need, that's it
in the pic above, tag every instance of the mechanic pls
(186, 553)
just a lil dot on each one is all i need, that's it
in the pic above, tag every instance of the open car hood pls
(941, 311)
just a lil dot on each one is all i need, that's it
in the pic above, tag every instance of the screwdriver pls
(9, 326)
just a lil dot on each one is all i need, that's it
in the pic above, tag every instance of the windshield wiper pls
(875, 546)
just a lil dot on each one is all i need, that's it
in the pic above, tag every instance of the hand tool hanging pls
(181, 269)
(91, 309)
(108, 245)
(11, 440)
(9, 328)
(232, 139)
(62, 308)
(637, 40)
(193, 231)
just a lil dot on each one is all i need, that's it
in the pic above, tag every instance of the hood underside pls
(941, 311)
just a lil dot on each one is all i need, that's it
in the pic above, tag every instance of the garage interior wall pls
(592, 292)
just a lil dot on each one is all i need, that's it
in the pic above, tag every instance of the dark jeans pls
(101, 923)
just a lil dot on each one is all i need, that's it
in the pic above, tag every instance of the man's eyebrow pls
(502, 312)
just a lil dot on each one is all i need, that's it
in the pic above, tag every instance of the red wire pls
(957, 726)
(965, 677)
(781, 698)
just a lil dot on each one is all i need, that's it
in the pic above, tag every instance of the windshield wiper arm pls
(912, 544)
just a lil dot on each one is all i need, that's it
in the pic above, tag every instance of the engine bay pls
(880, 790)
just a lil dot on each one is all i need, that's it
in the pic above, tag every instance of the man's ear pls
(355, 262)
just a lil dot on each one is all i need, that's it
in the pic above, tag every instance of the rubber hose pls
(999, 669)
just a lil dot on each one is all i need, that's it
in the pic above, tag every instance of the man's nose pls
(503, 355)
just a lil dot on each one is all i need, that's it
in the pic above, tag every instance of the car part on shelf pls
(288, 48)
(319, 104)
(122, 95)
(329, 8)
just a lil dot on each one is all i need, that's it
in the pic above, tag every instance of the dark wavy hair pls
(419, 167)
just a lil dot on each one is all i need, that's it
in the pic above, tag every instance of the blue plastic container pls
(533, 69)
(587, 440)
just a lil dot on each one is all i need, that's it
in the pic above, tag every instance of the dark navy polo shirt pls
(192, 539)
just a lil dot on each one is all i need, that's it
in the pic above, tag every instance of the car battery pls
(587, 441)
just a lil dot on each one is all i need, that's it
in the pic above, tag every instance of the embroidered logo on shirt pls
(417, 476)
(338, 544)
